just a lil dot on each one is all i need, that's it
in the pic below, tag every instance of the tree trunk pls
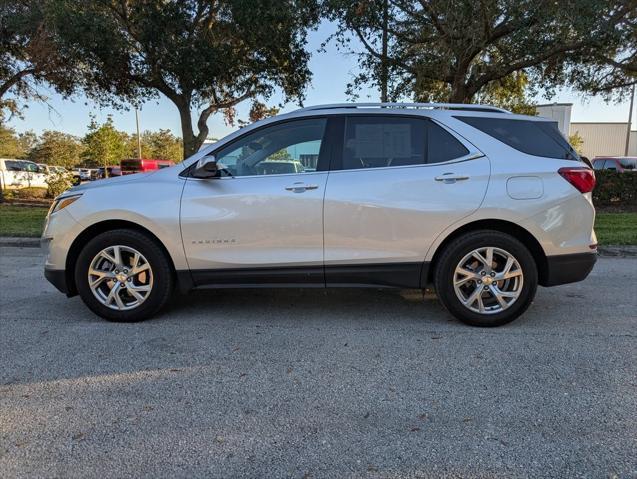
(190, 141)
(460, 92)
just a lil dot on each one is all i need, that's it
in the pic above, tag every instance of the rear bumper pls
(568, 268)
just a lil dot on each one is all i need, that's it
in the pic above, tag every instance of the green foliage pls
(104, 144)
(577, 142)
(29, 56)
(14, 145)
(615, 189)
(159, 145)
(57, 148)
(58, 182)
(259, 111)
(510, 93)
(30, 193)
(202, 55)
(454, 50)
(281, 155)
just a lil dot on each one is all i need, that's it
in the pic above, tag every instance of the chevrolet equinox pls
(483, 203)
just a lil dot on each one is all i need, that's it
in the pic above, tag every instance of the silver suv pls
(480, 202)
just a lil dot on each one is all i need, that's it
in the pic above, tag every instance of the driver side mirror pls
(206, 168)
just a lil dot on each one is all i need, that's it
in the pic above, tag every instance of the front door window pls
(286, 148)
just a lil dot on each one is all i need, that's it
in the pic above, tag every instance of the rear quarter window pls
(537, 138)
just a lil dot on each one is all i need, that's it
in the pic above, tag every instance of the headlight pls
(61, 203)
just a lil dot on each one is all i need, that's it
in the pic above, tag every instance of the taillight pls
(581, 178)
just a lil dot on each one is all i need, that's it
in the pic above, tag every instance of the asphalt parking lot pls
(314, 383)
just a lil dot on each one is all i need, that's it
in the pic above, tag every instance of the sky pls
(331, 69)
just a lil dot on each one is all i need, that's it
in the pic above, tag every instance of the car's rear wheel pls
(123, 275)
(486, 278)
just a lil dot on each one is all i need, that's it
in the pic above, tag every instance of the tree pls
(452, 50)
(577, 142)
(28, 56)
(608, 73)
(13, 145)
(161, 145)
(510, 93)
(104, 145)
(207, 55)
(57, 148)
(259, 111)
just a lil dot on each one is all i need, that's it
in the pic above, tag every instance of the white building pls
(599, 139)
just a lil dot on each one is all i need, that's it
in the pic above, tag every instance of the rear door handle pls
(451, 177)
(300, 187)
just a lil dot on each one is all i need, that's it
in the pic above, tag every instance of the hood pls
(117, 180)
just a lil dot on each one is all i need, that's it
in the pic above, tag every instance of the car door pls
(394, 186)
(14, 170)
(261, 219)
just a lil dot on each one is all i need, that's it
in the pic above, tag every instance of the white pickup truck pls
(18, 174)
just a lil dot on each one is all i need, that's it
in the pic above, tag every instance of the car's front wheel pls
(123, 275)
(486, 278)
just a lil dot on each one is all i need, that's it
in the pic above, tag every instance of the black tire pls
(462, 246)
(163, 278)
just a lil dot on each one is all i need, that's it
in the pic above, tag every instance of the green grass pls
(611, 228)
(21, 220)
(616, 228)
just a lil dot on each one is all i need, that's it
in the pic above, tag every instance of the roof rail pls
(427, 106)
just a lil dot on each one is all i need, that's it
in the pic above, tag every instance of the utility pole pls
(139, 139)
(630, 119)
(384, 67)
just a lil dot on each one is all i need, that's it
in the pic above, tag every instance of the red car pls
(141, 165)
(620, 164)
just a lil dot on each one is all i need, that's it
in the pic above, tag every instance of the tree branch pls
(15, 79)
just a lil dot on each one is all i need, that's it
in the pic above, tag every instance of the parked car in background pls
(111, 170)
(280, 167)
(483, 203)
(51, 169)
(621, 164)
(83, 173)
(18, 174)
(142, 165)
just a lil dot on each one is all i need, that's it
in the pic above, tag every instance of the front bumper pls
(57, 277)
(567, 268)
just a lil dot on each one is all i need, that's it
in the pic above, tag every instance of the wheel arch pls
(502, 226)
(91, 232)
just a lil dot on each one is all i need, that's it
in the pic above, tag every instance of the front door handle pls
(300, 187)
(451, 177)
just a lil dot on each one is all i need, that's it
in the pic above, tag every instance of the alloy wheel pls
(120, 277)
(488, 280)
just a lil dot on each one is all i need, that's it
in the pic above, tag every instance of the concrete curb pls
(19, 242)
(608, 250)
(619, 250)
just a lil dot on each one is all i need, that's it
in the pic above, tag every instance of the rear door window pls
(441, 145)
(387, 141)
(610, 165)
(537, 138)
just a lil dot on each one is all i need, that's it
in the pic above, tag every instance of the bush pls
(615, 189)
(25, 194)
(58, 183)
